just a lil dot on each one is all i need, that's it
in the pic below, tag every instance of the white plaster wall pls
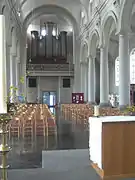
(51, 84)
(66, 93)
(31, 95)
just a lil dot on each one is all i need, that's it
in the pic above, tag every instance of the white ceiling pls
(69, 9)
(62, 23)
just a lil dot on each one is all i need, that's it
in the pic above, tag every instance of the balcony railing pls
(50, 67)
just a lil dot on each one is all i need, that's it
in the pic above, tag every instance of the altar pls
(112, 146)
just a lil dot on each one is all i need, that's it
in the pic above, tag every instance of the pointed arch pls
(93, 43)
(109, 24)
(125, 15)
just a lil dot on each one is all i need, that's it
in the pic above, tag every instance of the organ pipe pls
(63, 40)
(54, 46)
(49, 40)
(34, 43)
(42, 46)
(49, 44)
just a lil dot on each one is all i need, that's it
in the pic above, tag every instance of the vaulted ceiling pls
(69, 9)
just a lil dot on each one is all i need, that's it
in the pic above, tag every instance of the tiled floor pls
(27, 153)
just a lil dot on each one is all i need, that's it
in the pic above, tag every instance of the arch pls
(109, 24)
(50, 9)
(93, 43)
(109, 15)
(3, 9)
(125, 15)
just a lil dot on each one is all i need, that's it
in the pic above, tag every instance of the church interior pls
(67, 89)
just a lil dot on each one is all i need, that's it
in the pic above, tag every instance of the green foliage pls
(129, 109)
(13, 89)
(22, 80)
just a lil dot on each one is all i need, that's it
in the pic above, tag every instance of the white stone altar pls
(95, 135)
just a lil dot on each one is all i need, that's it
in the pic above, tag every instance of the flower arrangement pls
(12, 98)
(130, 110)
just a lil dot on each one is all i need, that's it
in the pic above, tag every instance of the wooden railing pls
(50, 67)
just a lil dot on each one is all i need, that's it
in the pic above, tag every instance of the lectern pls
(112, 146)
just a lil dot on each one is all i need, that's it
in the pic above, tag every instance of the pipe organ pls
(48, 43)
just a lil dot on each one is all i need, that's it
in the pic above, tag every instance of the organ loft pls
(49, 45)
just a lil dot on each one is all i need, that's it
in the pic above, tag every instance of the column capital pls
(124, 30)
(13, 54)
(83, 63)
(90, 57)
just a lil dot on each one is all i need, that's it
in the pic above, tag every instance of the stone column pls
(77, 78)
(38, 90)
(112, 77)
(27, 87)
(82, 77)
(124, 84)
(86, 81)
(23, 89)
(59, 89)
(12, 76)
(91, 80)
(3, 78)
(17, 76)
(104, 77)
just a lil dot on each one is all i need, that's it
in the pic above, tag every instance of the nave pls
(71, 133)
(53, 145)
(35, 129)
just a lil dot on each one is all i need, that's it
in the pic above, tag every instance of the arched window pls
(132, 69)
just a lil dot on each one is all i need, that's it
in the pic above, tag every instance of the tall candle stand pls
(4, 148)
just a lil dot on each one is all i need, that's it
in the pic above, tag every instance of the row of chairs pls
(32, 120)
(80, 113)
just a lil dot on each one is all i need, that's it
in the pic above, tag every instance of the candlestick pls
(96, 111)
(4, 149)
(3, 83)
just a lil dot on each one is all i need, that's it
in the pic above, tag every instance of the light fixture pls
(43, 32)
(54, 33)
(70, 29)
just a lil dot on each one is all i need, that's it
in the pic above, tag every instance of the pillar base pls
(92, 103)
(105, 105)
(123, 107)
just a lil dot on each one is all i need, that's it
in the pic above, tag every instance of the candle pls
(96, 111)
(3, 83)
